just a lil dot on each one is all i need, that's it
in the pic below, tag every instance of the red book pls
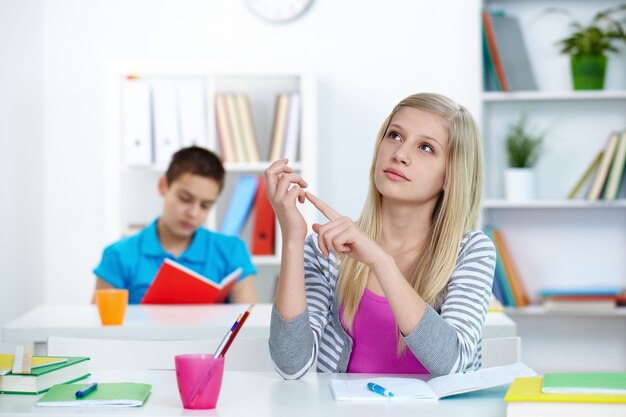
(177, 284)
(264, 226)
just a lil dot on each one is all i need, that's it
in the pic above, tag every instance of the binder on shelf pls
(617, 172)
(236, 129)
(292, 132)
(264, 227)
(192, 112)
(239, 205)
(277, 144)
(509, 42)
(499, 273)
(224, 132)
(490, 78)
(247, 128)
(603, 169)
(136, 124)
(166, 136)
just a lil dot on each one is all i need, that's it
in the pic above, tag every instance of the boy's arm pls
(100, 284)
(244, 291)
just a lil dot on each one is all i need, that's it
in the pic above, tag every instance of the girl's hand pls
(342, 236)
(283, 189)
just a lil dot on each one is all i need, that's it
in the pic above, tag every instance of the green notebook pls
(584, 383)
(115, 394)
(43, 377)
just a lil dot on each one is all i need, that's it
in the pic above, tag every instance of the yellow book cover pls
(529, 390)
(6, 362)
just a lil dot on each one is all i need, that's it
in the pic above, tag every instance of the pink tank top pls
(375, 340)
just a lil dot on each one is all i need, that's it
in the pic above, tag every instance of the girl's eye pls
(426, 147)
(394, 136)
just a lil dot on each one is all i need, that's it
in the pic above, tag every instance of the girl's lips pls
(394, 175)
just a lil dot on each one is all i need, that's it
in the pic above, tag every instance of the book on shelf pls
(224, 133)
(433, 389)
(525, 399)
(603, 168)
(490, 78)
(281, 112)
(247, 128)
(520, 297)
(240, 205)
(177, 284)
(42, 377)
(583, 302)
(236, 128)
(586, 175)
(492, 51)
(292, 130)
(617, 172)
(500, 277)
(511, 48)
(114, 394)
(263, 227)
(597, 290)
(584, 383)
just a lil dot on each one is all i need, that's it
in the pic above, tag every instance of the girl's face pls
(411, 159)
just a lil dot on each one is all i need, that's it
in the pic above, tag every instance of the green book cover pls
(117, 394)
(43, 377)
(584, 383)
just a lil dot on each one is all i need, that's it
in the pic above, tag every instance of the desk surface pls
(265, 394)
(159, 322)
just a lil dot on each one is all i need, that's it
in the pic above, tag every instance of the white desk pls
(246, 394)
(158, 322)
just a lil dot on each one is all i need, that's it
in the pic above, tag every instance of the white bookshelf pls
(131, 193)
(554, 241)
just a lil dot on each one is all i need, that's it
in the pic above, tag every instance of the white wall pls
(367, 55)
(21, 157)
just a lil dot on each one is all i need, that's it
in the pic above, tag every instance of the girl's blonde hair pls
(455, 213)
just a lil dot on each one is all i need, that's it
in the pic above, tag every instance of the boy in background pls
(190, 187)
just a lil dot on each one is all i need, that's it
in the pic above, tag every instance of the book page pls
(446, 385)
(402, 388)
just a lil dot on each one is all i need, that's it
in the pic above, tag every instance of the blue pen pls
(379, 390)
(90, 388)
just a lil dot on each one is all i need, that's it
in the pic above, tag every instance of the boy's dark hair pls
(198, 161)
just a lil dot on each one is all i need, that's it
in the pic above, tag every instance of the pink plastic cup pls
(199, 378)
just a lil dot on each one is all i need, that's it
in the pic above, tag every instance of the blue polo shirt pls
(133, 262)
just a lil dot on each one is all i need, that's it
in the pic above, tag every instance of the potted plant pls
(523, 148)
(588, 44)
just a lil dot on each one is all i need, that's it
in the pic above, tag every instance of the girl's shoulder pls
(476, 241)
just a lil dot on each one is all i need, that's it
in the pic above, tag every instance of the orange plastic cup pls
(112, 305)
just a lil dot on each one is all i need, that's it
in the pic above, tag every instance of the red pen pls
(234, 334)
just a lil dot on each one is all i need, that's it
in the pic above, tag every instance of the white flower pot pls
(519, 184)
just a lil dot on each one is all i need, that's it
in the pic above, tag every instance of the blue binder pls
(240, 205)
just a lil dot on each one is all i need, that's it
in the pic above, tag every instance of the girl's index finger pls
(324, 208)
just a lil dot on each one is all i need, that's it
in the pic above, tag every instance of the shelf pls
(519, 96)
(553, 204)
(537, 310)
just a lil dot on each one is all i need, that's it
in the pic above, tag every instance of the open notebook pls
(434, 389)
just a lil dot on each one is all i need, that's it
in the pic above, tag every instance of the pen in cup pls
(83, 392)
(379, 390)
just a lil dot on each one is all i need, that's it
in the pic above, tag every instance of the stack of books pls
(568, 394)
(582, 299)
(606, 172)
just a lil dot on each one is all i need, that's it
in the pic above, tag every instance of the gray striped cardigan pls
(445, 342)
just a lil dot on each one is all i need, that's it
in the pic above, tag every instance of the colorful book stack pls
(606, 172)
(568, 394)
(508, 287)
(582, 299)
(235, 128)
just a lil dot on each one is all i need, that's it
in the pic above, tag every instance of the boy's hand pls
(342, 236)
(283, 189)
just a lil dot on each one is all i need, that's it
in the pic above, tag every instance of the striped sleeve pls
(449, 342)
(294, 344)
